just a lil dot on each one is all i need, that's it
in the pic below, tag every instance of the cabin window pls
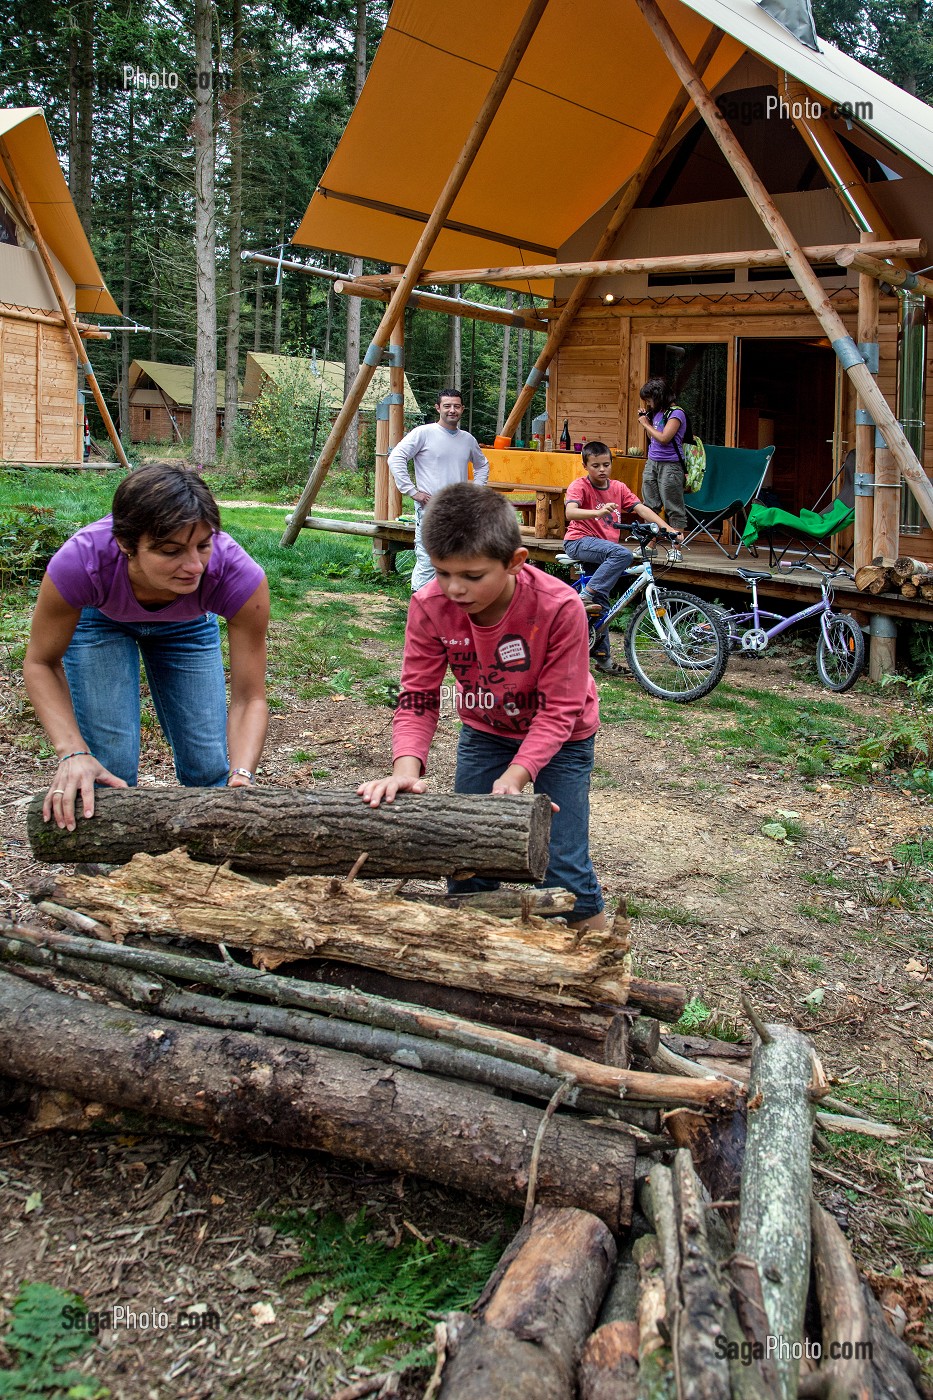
(699, 376)
(7, 228)
(147, 414)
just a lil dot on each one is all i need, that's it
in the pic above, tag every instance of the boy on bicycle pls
(596, 508)
(517, 642)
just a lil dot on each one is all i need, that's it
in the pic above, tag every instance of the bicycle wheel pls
(839, 661)
(689, 659)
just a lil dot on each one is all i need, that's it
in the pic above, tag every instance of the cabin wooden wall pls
(157, 427)
(40, 420)
(595, 378)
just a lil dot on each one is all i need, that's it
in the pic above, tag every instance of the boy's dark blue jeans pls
(482, 758)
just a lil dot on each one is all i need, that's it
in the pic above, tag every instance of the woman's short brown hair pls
(158, 500)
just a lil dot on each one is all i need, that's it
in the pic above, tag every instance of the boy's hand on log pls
(379, 790)
(513, 783)
(73, 776)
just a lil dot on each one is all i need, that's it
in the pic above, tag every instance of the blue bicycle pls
(676, 645)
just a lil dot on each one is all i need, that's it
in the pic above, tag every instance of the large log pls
(286, 831)
(525, 1343)
(774, 1229)
(239, 1086)
(306, 916)
(846, 1333)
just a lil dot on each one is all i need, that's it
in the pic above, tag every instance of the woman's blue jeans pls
(482, 758)
(185, 672)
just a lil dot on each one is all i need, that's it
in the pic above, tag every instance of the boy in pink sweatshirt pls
(517, 642)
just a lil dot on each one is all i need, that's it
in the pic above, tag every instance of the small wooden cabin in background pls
(41, 419)
(160, 400)
(314, 380)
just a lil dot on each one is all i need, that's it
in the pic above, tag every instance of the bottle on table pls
(565, 437)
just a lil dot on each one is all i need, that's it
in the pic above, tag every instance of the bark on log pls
(905, 566)
(774, 1230)
(508, 904)
(873, 578)
(702, 1046)
(711, 1095)
(306, 916)
(704, 1371)
(526, 1342)
(285, 831)
(655, 1363)
(609, 1364)
(896, 1371)
(926, 592)
(842, 1312)
(717, 1147)
(238, 1085)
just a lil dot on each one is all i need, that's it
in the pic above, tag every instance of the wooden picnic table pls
(545, 514)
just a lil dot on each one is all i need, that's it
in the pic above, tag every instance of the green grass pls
(820, 913)
(698, 1019)
(389, 1294)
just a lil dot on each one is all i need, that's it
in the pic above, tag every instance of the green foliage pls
(698, 1019)
(41, 1346)
(901, 738)
(29, 536)
(388, 1297)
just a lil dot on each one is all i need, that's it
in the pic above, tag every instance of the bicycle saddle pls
(749, 575)
(564, 559)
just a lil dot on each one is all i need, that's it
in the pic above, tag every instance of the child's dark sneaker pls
(610, 667)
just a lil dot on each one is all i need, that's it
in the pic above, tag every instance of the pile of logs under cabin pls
(671, 1242)
(912, 578)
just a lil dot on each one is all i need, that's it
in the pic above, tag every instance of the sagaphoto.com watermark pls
(198, 1317)
(744, 111)
(131, 77)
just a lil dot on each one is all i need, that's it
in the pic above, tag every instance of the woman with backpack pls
(662, 485)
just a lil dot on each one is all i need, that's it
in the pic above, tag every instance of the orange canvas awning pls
(586, 102)
(33, 154)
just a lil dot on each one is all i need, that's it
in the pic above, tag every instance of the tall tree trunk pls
(235, 116)
(257, 312)
(279, 288)
(519, 358)
(81, 110)
(124, 404)
(455, 359)
(204, 434)
(155, 256)
(349, 451)
(504, 372)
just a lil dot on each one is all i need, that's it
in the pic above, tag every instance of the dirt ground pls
(169, 1225)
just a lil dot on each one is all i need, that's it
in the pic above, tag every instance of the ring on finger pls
(58, 792)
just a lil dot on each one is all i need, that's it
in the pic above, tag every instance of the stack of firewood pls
(912, 578)
(479, 1042)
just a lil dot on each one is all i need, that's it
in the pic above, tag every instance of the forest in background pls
(286, 76)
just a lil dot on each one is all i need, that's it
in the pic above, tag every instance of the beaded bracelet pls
(78, 753)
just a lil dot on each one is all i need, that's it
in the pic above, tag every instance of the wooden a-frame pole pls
(557, 333)
(845, 347)
(396, 308)
(70, 326)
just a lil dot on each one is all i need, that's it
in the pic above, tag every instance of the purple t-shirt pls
(667, 452)
(90, 571)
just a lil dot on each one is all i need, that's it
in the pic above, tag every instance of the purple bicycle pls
(840, 650)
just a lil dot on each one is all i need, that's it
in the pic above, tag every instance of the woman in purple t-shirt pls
(662, 485)
(149, 580)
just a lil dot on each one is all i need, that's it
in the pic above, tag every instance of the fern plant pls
(41, 1346)
(398, 1292)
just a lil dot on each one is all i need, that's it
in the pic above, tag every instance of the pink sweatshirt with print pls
(526, 678)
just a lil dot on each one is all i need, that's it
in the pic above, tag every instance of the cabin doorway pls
(787, 397)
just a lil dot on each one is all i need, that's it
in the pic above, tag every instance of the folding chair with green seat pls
(810, 531)
(731, 482)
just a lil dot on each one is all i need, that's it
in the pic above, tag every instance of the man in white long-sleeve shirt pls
(441, 453)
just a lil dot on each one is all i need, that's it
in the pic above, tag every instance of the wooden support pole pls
(448, 306)
(396, 307)
(833, 159)
(806, 279)
(80, 352)
(381, 488)
(884, 272)
(863, 547)
(677, 262)
(557, 334)
(396, 404)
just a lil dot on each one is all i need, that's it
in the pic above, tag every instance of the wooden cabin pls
(711, 193)
(160, 401)
(41, 416)
(312, 379)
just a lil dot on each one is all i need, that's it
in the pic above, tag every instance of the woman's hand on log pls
(75, 775)
(379, 790)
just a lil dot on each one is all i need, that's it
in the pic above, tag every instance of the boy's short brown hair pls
(470, 522)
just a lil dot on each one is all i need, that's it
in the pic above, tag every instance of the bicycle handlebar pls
(823, 573)
(646, 530)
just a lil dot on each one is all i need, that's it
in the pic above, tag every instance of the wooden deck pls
(702, 567)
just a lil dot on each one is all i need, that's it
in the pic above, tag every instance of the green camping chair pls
(731, 482)
(809, 532)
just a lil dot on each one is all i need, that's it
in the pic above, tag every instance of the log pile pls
(912, 578)
(669, 1225)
